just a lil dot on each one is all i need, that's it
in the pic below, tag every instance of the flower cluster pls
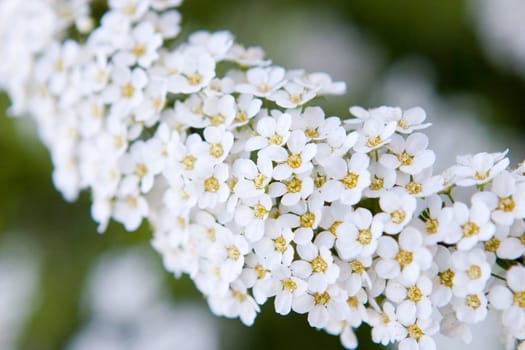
(252, 190)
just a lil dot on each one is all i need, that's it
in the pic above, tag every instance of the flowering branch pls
(252, 190)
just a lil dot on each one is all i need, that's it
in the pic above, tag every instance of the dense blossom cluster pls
(252, 190)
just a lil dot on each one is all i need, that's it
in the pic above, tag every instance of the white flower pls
(293, 190)
(385, 326)
(479, 168)
(408, 257)
(217, 145)
(125, 90)
(436, 221)
(252, 179)
(215, 44)
(374, 134)
(257, 276)
(412, 120)
(316, 267)
(382, 180)
(419, 335)
(347, 179)
(144, 161)
(287, 289)
(471, 272)
(412, 298)
(398, 208)
(236, 303)
(188, 70)
(409, 156)
(358, 236)
(507, 199)
(129, 207)
(470, 225)
(471, 308)
(321, 306)
(292, 95)
(133, 9)
(274, 130)
(275, 246)
(219, 110)
(252, 213)
(262, 82)
(142, 47)
(212, 188)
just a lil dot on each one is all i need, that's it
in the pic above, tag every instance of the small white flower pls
(212, 188)
(412, 120)
(374, 134)
(409, 156)
(292, 95)
(293, 190)
(271, 130)
(316, 267)
(471, 308)
(188, 70)
(262, 82)
(142, 47)
(359, 235)
(471, 272)
(479, 168)
(398, 208)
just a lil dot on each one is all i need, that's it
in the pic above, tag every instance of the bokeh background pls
(63, 286)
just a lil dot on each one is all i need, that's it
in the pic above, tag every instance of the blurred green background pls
(421, 52)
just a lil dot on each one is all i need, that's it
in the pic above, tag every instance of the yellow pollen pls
(127, 90)
(492, 245)
(258, 181)
(194, 79)
(413, 187)
(294, 185)
(138, 50)
(415, 332)
(279, 244)
(294, 161)
(321, 298)
(522, 239)
(307, 219)
(519, 299)
(241, 297)
(263, 88)
(319, 265)
(189, 162)
(130, 10)
(157, 103)
(241, 117)
(333, 228)
(141, 170)
(211, 184)
(414, 294)
(217, 120)
(506, 204)
(405, 158)
(398, 216)
(197, 109)
(470, 229)
(384, 318)
(216, 150)
(184, 195)
(364, 237)
(295, 99)
(353, 302)
(373, 141)
(474, 272)
(319, 181)
(259, 211)
(402, 124)
(231, 183)
(357, 267)
(131, 201)
(431, 225)
(181, 222)
(211, 234)
(289, 285)
(311, 133)
(404, 257)
(276, 139)
(377, 183)
(446, 278)
(101, 76)
(473, 301)
(260, 271)
(59, 65)
(481, 175)
(350, 180)
(233, 253)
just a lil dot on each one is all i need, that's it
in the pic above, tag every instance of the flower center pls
(373, 141)
(319, 265)
(404, 257)
(481, 175)
(279, 244)
(473, 301)
(260, 271)
(241, 117)
(413, 187)
(414, 294)
(364, 237)
(233, 253)
(319, 181)
(333, 228)
(470, 229)
(506, 204)
(240, 297)
(138, 50)
(321, 298)
(294, 161)
(194, 79)
(357, 267)
(141, 170)
(127, 90)
(211, 184)
(474, 272)
(311, 133)
(398, 216)
(446, 278)
(377, 183)
(353, 302)
(405, 158)
(259, 211)
(350, 180)
(294, 185)
(519, 299)
(189, 162)
(276, 139)
(431, 225)
(492, 245)
(258, 181)
(217, 120)
(415, 332)
(289, 285)
(307, 219)
(216, 150)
